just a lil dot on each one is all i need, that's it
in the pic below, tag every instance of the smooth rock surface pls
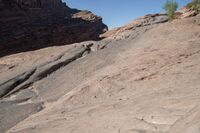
(145, 80)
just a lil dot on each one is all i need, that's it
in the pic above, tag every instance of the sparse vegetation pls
(170, 7)
(195, 4)
(190, 5)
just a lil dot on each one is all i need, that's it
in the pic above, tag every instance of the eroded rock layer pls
(32, 24)
(143, 80)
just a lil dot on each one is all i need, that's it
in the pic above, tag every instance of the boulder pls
(185, 13)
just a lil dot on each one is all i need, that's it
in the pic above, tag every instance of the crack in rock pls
(9, 85)
(26, 79)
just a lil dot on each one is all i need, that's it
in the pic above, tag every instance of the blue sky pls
(116, 13)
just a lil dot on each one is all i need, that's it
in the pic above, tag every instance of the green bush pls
(190, 5)
(196, 5)
(170, 7)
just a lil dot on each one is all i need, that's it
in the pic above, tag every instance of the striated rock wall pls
(35, 3)
(40, 3)
(32, 24)
(138, 26)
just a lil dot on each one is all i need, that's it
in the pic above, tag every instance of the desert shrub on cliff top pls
(170, 7)
(195, 4)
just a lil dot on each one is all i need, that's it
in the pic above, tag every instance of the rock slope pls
(141, 79)
(146, 22)
(32, 24)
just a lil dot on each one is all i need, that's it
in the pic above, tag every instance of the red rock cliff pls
(32, 24)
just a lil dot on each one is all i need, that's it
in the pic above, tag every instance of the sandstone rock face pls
(144, 82)
(141, 25)
(141, 78)
(32, 24)
(185, 13)
(22, 71)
